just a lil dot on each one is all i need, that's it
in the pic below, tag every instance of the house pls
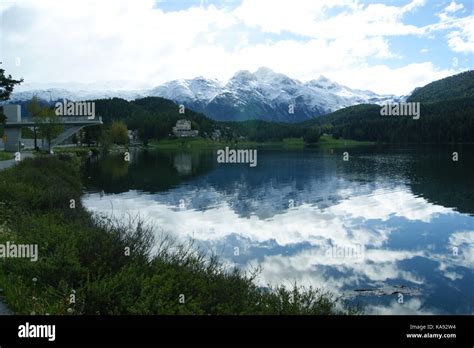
(183, 129)
(216, 134)
(133, 137)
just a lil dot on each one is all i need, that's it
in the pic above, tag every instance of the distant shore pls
(201, 143)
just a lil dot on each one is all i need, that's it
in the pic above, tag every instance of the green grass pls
(329, 141)
(78, 150)
(201, 143)
(88, 255)
(4, 156)
(293, 143)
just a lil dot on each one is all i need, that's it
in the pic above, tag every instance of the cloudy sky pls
(384, 46)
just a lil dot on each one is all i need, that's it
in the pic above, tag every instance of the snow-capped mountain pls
(195, 93)
(75, 95)
(263, 95)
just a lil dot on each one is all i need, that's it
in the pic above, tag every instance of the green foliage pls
(46, 121)
(75, 139)
(5, 156)
(7, 83)
(452, 87)
(155, 117)
(262, 131)
(88, 254)
(119, 133)
(312, 135)
(450, 121)
(34, 108)
(93, 135)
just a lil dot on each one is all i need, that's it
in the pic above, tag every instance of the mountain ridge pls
(261, 95)
(266, 95)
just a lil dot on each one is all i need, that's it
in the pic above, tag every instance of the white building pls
(216, 134)
(183, 129)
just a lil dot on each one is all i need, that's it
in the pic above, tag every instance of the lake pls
(391, 229)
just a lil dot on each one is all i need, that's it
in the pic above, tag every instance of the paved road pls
(12, 162)
(4, 309)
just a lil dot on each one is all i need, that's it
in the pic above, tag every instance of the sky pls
(389, 47)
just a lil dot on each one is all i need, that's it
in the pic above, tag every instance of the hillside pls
(446, 116)
(153, 117)
(452, 87)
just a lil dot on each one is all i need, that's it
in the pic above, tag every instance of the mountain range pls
(262, 95)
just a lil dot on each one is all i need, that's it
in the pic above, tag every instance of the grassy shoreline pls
(5, 156)
(289, 143)
(85, 255)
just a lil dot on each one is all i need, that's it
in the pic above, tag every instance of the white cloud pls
(462, 40)
(309, 18)
(382, 204)
(413, 306)
(454, 7)
(305, 224)
(460, 33)
(114, 40)
(90, 41)
(343, 224)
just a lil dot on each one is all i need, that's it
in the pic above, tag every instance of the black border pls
(290, 331)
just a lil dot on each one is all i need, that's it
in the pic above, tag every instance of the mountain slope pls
(264, 95)
(74, 95)
(456, 86)
(449, 119)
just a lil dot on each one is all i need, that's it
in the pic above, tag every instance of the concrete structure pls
(183, 129)
(133, 137)
(216, 134)
(14, 124)
(12, 135)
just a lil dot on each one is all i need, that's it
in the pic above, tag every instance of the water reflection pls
(300, 215)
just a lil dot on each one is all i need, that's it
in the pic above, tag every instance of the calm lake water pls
(392, 229)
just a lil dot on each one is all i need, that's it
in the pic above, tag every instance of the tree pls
(312, 136)
(92, 135)
(48, 125)
(74, 139)
(7, 83)
(35, 109)
(119, 133)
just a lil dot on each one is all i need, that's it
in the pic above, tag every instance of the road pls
(4, 309)
(12, 162)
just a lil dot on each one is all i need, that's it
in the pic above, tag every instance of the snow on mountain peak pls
(264, 94)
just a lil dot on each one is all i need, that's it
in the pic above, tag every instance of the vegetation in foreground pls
(5, 156)
(87, 257)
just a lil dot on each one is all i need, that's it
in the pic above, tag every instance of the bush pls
(312, 136)
(119, 133)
